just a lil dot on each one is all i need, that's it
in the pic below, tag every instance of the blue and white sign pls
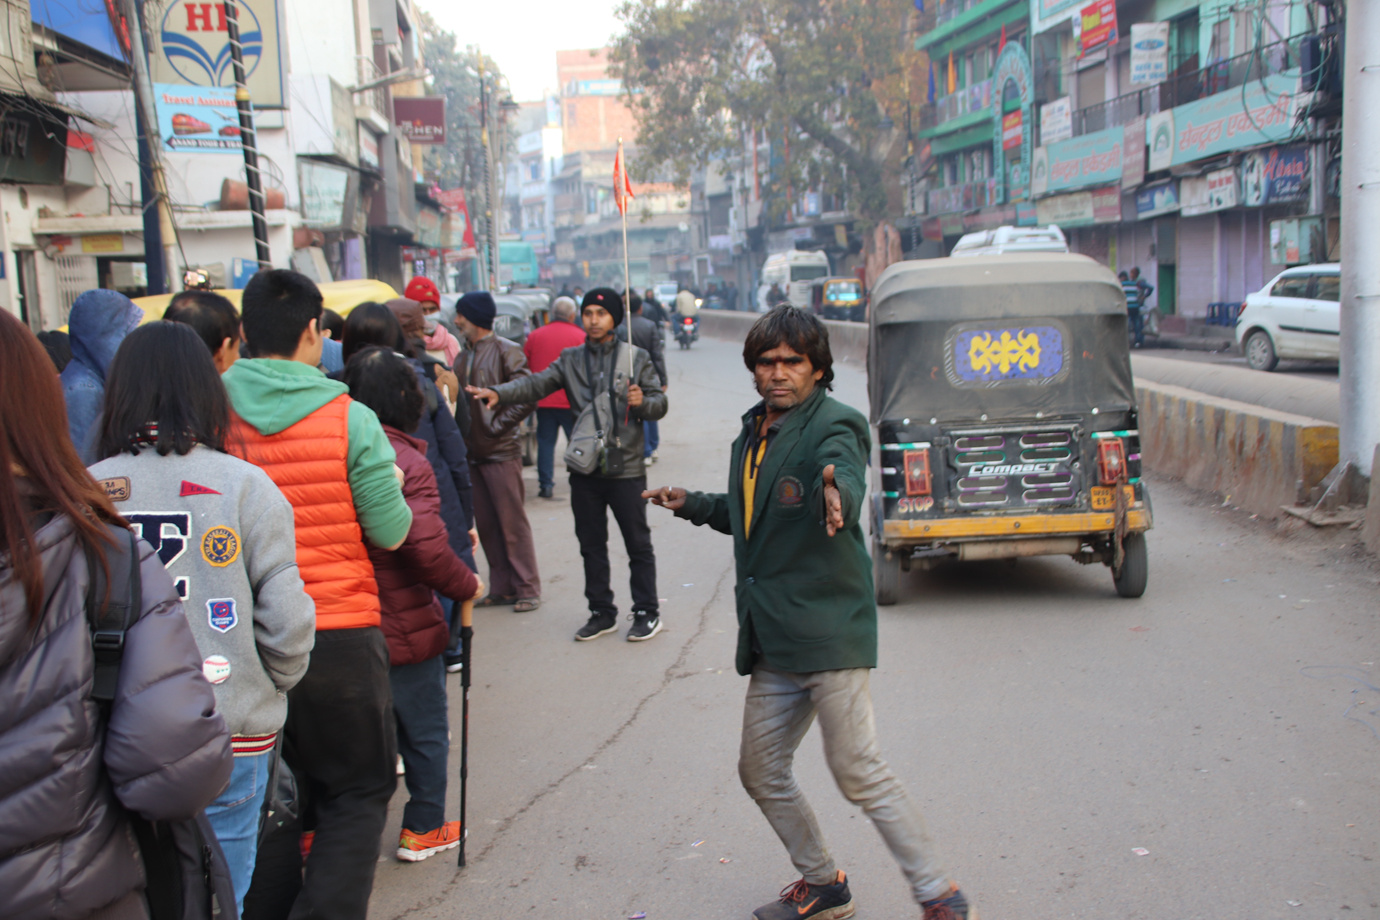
(1276, 175)
(197, 119)
(190, 46)
(1149, 52)
(1157, 199)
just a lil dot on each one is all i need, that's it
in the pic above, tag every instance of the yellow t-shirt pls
(751, 465)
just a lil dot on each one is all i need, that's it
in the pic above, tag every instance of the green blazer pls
(805, 596)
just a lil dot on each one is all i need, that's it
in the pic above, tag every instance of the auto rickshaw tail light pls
(1111, 461)
(917, 472)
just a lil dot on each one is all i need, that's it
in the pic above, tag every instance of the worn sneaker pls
(455, 662)
(414, 847)
(600, 624)
(645, 625)
(803, 901)
(953, 906)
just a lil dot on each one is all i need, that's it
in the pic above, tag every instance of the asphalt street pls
(1206, 751)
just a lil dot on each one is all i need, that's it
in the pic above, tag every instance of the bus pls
(792, 272)
(517, 264)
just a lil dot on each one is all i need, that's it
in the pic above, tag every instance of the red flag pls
(1001, 42)
(622, 188)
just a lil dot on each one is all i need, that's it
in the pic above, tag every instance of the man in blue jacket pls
(807, 622)
(97, 324)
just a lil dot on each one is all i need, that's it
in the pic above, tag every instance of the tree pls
(825, 81)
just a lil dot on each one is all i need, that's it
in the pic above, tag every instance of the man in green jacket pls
(807, 622)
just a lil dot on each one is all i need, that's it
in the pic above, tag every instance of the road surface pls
(1227, 724)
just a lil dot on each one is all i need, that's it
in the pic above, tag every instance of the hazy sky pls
(523, 36)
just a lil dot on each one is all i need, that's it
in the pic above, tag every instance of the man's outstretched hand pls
(833, 503)
(485, 395)
(667, 497)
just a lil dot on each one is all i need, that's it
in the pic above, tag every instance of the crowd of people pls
(308, 493)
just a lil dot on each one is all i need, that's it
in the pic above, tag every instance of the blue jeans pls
(550, 422)
(234, 816)
(651, 436)
(419, 704)
(779, 710)
(1137, 325)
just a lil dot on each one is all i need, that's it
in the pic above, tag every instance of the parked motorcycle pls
(687, 331)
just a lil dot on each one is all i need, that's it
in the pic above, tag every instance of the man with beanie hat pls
(596, 375)
(496, 458)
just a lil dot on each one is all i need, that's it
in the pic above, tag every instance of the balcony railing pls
(374, 98)
(975, 98)
(1217, 77)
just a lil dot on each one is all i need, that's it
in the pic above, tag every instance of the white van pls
(792, 271)
(1001, 240)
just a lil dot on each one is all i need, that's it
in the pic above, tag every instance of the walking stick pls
(466, 639)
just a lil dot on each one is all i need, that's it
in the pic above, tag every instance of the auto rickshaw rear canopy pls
(1000, 337)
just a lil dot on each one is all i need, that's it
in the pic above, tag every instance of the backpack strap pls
(112, 605)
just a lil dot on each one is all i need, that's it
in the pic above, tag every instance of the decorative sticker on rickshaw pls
(984, 355)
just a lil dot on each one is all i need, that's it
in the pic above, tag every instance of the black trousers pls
(341, 744)
(591, 499)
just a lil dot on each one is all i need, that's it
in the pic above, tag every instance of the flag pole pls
(627, 285)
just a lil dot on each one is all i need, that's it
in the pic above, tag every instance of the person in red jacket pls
(413, 622)
(543, 346)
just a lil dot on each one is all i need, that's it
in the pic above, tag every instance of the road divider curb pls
(1259, 459)
(847, 341)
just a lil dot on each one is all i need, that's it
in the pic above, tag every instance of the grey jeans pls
(779, 710)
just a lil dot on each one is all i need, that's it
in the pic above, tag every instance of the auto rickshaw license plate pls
(1104, 498)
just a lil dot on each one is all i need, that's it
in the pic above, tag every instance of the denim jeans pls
(1137, 325)
(419, 704)
(651, 436)
(550, 422)
(776, 715)
(234, 816)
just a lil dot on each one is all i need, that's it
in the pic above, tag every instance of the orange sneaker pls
(414, 847)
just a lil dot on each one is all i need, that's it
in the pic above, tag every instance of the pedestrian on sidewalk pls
(225, 534)
(542, 347)
(215, 320)
(647, 336)
(440, 341)
(1133, 312)
(807, 621)
(595, 378)
(97, 324)
(73, 770)
(495, 454)
(413, 621)
(334, 464)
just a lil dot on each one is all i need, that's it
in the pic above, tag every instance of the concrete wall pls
(1257, 458)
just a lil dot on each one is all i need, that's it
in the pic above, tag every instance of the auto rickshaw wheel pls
(886, 575)
(1131, 578)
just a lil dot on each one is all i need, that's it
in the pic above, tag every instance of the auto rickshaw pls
(1005, 414)
(340, 296)
(839, 298)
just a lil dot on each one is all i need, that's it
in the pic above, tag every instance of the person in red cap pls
(440, 343)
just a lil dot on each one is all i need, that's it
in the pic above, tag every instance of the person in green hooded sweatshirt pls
(334, 464)
(807, 623)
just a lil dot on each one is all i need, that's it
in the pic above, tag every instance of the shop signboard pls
(189, 45)
(1039, 172)
(324, 189)
(1079, 209)
(1011, 131)
(198, 119)
(368, 148)
(1011, 71)
(1261, 112)
(1215, 191)
(1099, 26)
(1133, 154)
(1056, 121)
(1045, 14)
(1089, 159)
(421, 119)
(1157, 199)
(1149, 52)
(1274, 176)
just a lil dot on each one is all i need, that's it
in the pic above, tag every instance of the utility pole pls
(1359, 428)
(490, 226)
(159, 269)
(248, 138)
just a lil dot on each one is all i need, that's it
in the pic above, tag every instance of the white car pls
(1296, 315)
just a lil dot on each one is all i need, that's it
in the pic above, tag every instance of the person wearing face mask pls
(440, 342)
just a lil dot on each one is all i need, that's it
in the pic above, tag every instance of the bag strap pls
(112, 606)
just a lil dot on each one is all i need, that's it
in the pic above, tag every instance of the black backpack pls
(188, 876)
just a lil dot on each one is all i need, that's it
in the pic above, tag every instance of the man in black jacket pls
(595, 376)
(647, 336)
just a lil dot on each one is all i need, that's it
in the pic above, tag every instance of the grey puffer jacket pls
(66, 848)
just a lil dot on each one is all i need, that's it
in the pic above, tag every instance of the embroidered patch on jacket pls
(790, 491)
(221, 614)
(216, 669)
(220, 546)
(195, 488)
(117, 488)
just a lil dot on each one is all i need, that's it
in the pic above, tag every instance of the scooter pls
(687, 330)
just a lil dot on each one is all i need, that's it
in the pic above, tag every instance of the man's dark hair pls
(163, 376)
(386, 383)
(332, 323)
(278, 305)
(804, 332)
(210, 315)
(371, 323)
(634, 303)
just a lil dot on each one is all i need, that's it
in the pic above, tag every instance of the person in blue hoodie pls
(98, 323)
